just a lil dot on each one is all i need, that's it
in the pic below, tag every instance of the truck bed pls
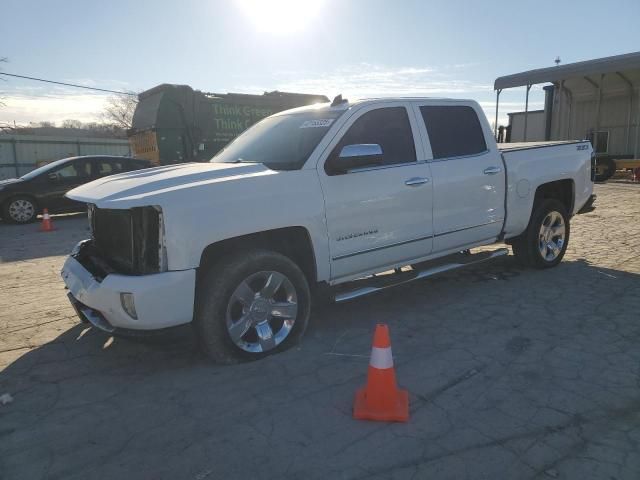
(530, 164)
(510, 147)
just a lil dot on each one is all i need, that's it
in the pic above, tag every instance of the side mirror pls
(53, 177)
(357, 156)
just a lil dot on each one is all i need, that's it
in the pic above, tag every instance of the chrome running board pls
(369, 285)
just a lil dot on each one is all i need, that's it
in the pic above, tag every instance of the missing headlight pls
(130, 240)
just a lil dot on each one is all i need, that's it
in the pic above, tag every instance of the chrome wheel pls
(21, 210)
(262, 311)
(552, 236)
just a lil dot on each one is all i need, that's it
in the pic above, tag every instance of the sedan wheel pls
(21, 210)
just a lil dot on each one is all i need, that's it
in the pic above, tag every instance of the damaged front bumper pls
(162, 300)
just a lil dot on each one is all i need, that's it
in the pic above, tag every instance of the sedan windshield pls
(281, 142)
(43, 169)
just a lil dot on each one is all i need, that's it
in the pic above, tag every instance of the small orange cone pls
(47, 224)
(380, 398)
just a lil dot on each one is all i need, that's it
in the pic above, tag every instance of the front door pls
(62, 179)
(378, 215)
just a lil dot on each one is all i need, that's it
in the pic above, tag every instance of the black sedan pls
(21, 199)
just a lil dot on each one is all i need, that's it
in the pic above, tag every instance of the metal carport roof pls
(628, 61)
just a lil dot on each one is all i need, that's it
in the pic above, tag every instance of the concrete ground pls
(512, 374)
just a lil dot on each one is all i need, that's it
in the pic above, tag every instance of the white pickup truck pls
(322, 198)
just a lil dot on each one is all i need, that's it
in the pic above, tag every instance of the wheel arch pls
(293, 242)
(561, 190)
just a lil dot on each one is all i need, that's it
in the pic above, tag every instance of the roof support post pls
(599, 102)
(569, 109)
(549, 93)
(495, 126)
(596, 128)
(636, 152)
(629, 109)
(526, 111)
(559, 124)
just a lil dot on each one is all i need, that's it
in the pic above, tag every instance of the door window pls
(454, 131)
(108, 167)
(75, 171)
(387, 127)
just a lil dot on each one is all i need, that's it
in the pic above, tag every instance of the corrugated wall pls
(578, 113)
(20, 154)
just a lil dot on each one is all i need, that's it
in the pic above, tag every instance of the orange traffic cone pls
(47, 224)
(380, 399)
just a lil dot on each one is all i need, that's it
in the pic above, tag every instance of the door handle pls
(492, 170)
(416, 181)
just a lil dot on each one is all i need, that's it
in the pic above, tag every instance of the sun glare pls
(281, 16)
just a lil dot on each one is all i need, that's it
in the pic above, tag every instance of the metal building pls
(20, 154)
(596, 99)
(535, 126)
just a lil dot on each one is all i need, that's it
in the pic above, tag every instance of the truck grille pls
(127, 240)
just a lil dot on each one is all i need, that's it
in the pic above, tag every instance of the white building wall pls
(535, 126)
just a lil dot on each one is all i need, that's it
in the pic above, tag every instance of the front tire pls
(545, 241)
(251, 305)
(20, 209)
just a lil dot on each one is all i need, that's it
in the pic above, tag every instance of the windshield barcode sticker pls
(321, 123)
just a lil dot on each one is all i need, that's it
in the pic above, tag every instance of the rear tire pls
(251, 305)
(20, 209)
(544, 242)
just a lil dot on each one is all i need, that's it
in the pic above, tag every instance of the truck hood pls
(144, 187)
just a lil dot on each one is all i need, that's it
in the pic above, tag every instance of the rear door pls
(106, 166)
(378, 215)
(468, 174)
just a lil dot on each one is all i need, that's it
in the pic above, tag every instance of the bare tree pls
(119, 109)
(71, 123)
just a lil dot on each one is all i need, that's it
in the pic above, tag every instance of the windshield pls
(282, 142)
(43, 169)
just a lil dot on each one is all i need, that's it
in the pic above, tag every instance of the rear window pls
(454, 131)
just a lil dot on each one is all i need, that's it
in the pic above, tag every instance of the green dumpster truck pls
(176, 124)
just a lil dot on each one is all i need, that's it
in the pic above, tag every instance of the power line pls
(68, 84)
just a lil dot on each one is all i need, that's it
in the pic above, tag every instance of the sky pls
(359, 48)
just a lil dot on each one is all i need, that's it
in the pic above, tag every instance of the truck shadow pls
(502, 283)
(88, 392)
